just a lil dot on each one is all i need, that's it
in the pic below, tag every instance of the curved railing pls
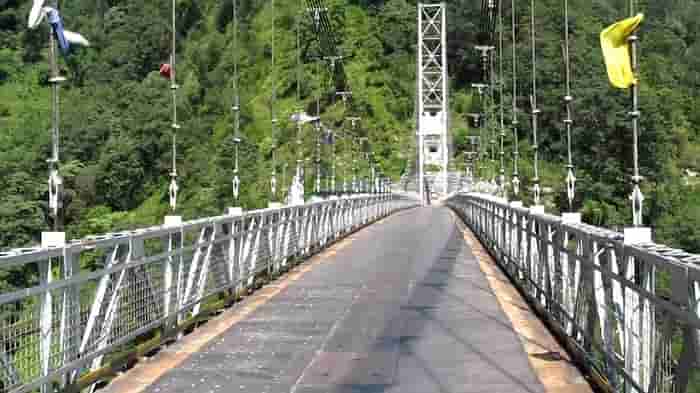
(630, 312)
(95, 301)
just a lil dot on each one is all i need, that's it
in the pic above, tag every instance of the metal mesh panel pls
(631, 310)
(19, 337)
(70, 307)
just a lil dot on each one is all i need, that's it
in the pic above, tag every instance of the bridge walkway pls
(401, 306)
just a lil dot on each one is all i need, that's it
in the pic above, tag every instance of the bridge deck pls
(401, 306)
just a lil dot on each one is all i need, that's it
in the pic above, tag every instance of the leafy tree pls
(121, 173)
(116, 108)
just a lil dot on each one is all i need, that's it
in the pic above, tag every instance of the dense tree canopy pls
(602, 133)
(116, 107)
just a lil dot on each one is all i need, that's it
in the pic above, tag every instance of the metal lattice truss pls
(96, 295)
(603, 295)
(432, 65)
(432, 96)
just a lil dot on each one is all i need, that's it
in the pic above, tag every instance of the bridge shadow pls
(448, 335)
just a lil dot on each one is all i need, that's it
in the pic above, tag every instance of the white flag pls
(37, 14)
(303, 118)
(75, 38)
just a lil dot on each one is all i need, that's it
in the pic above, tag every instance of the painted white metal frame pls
(432, 94)
(63, 325)
(603, 294)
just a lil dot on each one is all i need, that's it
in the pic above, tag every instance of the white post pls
(48, 240)
(174, 241)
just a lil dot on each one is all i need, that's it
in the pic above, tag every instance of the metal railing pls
(72, 308)
(456, 181)
(629, 312)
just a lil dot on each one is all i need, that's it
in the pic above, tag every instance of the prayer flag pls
(57, 26)
(328, 137)
(303, 118)
(166, 70)
(36, 15)
(64, 37)
(75, 38)
(616, 51)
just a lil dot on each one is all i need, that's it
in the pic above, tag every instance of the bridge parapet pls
(107, 299)
(629, 312)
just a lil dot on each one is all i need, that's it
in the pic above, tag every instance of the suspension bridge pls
(440, 282)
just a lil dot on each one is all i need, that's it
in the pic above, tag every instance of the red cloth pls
(166, 70)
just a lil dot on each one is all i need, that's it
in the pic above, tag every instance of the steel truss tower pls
(432, 94)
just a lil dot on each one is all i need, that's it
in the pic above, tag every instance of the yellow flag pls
(616, 51)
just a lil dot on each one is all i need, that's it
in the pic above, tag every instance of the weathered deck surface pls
(401, 306)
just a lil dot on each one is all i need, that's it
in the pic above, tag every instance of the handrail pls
(93, 296)
(630, 312)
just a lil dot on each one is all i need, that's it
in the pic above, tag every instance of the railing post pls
(70, 311)
(233, 255)
(254, 240)
(516, 247)
(492, 223)
(45, 321)
(286, 235)
(547, 258)
(608, 319)
(558, 273)
(527, 261)
(686, 296)
(504, 228)
(46, 310)
(276, 232)
(170, 297)
(586, 301)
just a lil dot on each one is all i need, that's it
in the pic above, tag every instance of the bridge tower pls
(432, 114)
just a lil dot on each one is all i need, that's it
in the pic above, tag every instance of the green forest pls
(115, 107)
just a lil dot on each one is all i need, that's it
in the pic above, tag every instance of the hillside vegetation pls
(115, 146)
